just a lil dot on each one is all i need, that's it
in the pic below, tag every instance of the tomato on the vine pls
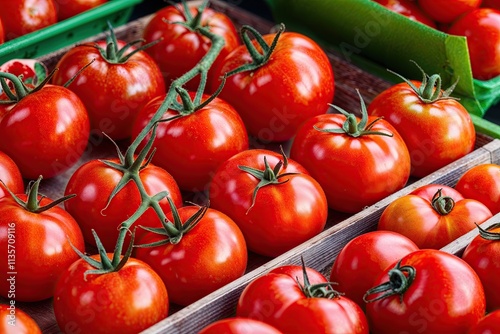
(10, 175)
(14, 320)
(20, 17)
(433, 215)
(274, 200)
(128, 300)
(447, 11)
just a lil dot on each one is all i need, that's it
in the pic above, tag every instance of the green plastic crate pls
(69, 31)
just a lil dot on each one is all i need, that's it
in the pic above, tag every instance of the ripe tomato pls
(20, 17)
(482, 29)
(437, 131)
(113, 88)
(290, 209)
(491, 4)
(191, 147)
(482, 183)
(239, 325)
(355, 166)
(323, 315)
(32, 71)
(210, 255)
(13, 320)
(363, 258)
(58, 136)
(433, 216)
(10, 175)
(93, 183)
(409, 9)
(125, 301)
(295, 84)
(483, 255)
(267, 296)
(430, 292)
(30, 269)
(447, 11)
(2, 33)
(488, 324)
(181, 48)
(70, 8)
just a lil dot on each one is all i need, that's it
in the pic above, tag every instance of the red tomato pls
(443, 295)
(129, 300)
(432, 218)
(495, 4)
(93, 183)
(70, 8)
(436, 133)
(191, 147)
(210, 255)
(323, 315)
(32, 71)
(181, 48)
(487, 325)
(483, 255)
(289, 210)
(113, 90)
(58, 136)
(482, 29)
(13, 320)
(355, 169)
(20, 17)
(2, 33)
(363, 258)
(447, 11)
(295, 84)
(267, 296)
(409, 9)
(239, 326)
(482, 183)
(30, 269)
(10, 175)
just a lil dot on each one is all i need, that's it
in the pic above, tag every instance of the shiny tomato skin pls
(296, 84)
(58, 136)
(409, 9)
(482, 29)
(20, 17)
(2, 32)
(113, 93)
(283, 215)
(126, 301)
(436, 134)
(239, 325)
(484, 257)
(10, 175)
(363, 258)
(489, 324)
(414, 216)
(192, 147)
(267, 296)
(14, 320)
(207, 257)
(93, 183)
(42, 260)
(354, 172)
(322, 315)
(447, 11)
(446, 296)
(482, 183)
(70, 8)
(181, 48)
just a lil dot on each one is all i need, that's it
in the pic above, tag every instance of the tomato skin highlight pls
(482, 183)
(18, 322)
(207, 257)
(127, 301)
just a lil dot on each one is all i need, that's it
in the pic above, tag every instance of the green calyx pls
(20, 90)
(442, 204)
(352, 127)
(320, 290)
(192, 23)
(487, 234)
(430, 87)
(400, 279)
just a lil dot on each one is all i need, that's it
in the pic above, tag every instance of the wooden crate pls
(320, 251)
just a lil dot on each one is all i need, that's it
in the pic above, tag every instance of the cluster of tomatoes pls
(212, 126)
(21, 17)
(478, 20)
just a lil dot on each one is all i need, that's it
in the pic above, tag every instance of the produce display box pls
(320, 251)
(69, 31)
